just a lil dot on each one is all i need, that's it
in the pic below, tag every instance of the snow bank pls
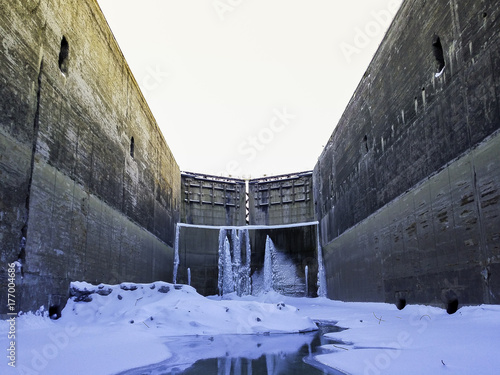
(174, 310)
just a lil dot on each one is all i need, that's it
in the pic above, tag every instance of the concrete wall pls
(407, 188)
(88, 207)
(285, 199)
(212, 200)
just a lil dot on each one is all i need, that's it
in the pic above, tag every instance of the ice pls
(220, 279)
(227, 271)
(286, 277)
(236, 261)
(438, 74)
(234, 275)
(189, 276)
(246, 281)
(268, 265)
(176, 252)
(306, 271)
(321, 267)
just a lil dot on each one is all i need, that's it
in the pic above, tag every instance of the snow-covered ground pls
(381, 339)
(112, 329)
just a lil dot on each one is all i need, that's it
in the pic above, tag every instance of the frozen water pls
(321, 267)
(189, 276)
(222, 236)
(236, 260)
(238, 355)
(268, 265)
(227, 271)
(176, 253)
(306, 271)
(248, 262)
(234, 275)
(242, 271)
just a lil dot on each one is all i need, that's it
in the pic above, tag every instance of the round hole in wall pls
(401, 303)
(452, 306)
(55, 312)
(485, 14)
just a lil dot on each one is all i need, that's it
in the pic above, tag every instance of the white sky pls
(248, 87)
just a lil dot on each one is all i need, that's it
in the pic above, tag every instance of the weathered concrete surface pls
(212, 200)
(285, 199)
(428, 245)
(400, 217)
(90, 205)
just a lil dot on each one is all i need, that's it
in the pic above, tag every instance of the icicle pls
(268, 265)
(220, 280)
(236, 261)
(271, 364)
(237, 369)
(176, 252)
(243, 279)
(248, 261)
(321, 268)
(307, 284)
(227, 276)
(189, 276)
(236, 247)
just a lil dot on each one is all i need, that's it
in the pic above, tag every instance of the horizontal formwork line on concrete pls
(305, 224)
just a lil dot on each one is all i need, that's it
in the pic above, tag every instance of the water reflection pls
(241, 355)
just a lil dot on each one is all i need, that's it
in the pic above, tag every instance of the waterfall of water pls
(321, 268)
(268, 265)
(176, 253)
(189, 276)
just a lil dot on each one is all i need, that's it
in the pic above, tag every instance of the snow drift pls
(173, 310)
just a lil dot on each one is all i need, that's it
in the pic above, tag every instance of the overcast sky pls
(248, 87)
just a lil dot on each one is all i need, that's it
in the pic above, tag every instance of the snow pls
(439, 73)
(108, 335)
(419, 339)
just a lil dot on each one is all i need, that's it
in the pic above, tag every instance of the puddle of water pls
(243, 355)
